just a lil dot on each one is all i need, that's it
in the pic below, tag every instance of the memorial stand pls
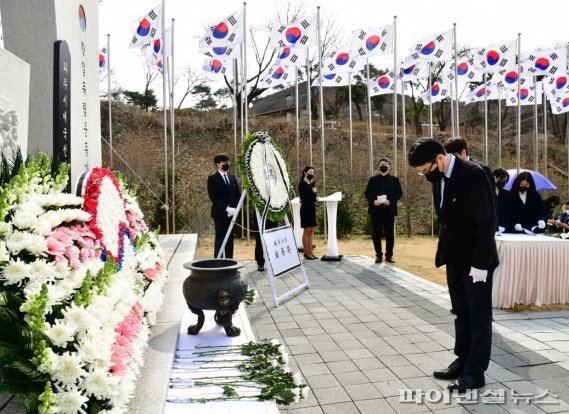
(279, 248)
(332, 214)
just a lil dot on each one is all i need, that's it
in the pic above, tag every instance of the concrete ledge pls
(152, 385)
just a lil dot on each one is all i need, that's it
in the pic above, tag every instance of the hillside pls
(138, 140)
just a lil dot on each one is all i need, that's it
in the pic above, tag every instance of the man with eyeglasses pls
(464, 203)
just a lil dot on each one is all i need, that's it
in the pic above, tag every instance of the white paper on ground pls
(211, 334)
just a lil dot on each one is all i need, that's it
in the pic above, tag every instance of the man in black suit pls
(459, 146)
(383, 211)
(464, 203)
(503, 199)
(224, 194)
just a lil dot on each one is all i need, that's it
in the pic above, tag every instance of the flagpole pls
(164, 88)
(109, 99)
(322, 146)
(235, 106)
(245, 75)
(535, 126)
(519, 126)
(404, 131)
(241, 111)
(545, 133)
(172, 129)
(297, 121)
(485, 120)
(456, 79)
(452, 112)
(309, 105)
(430, 104)
(350, 119)
(499, 126)
(395, 95)
(370, 139)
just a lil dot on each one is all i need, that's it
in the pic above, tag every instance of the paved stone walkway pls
(365, 333)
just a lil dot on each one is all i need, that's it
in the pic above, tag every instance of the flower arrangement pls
(266, 175)
(262, 367)
(80, 285)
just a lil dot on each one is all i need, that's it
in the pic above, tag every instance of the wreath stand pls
(281, 253)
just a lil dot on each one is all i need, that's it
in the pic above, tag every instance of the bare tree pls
(191, 79)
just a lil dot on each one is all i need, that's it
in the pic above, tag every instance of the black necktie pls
(226, 179)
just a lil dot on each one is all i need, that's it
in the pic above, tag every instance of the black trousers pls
(383, 222)
(472, 304)
(221, 227)
(259, 256)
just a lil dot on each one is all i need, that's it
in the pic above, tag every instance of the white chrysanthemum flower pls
(304, 392)
(38, 245)
(62, 270)
(25, 218)
(17, 241)
(110, 212)
(96, 383)
(281, 349)
(16, 271)
(32, 288)
(42, 270)
(275, 342)
(68, 368)
(42, 227)
(284, 357)
(61, 333)
(274, 363)
(296, 379)
(286, 369)
(48, 366)
(77, 317)
(71, 401)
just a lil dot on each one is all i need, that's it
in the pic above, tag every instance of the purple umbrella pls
(541, 182)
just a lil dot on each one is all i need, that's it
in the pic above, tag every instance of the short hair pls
(501, 173)
(523, 176)
(424, 150)
(566, 203)
(456, 145)
(554, 199)
(387, 160)
(220, 158)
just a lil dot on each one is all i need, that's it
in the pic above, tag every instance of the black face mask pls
(310, 176)
(523, 190)
(501, 184)
(435, 175)
(383, 168)
(225, 167)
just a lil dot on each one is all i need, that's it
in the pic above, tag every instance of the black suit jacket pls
(467, 218)
(504, 208)
(527, 214)
(392, 191)
(221, 195)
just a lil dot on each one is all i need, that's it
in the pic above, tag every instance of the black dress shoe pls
(261, 268)
(453, 371)
(467, 382)
(378, 260)
(389, 259)
(310, 257)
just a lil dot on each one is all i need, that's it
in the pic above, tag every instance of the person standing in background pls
(503, 199)
(307, 192)
(382, 192)
(224, 194)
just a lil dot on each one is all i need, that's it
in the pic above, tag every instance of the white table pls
(534, 269)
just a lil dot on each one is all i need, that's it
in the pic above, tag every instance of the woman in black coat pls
(528, 209)
(307, 192)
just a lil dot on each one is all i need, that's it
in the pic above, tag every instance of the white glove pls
(478, 275)
(501, 229)
(541, 224)
(518, 227)
(230, 211)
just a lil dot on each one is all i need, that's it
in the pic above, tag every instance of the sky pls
(479, 23)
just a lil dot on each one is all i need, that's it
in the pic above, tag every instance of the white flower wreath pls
(267, 173)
